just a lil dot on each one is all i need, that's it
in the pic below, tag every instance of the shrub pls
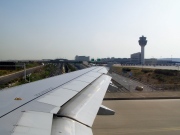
(146, 70)
(166, 72)
(126, 69)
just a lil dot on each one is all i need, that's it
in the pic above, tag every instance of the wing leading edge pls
(68, 109)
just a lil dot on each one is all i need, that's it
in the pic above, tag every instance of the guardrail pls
(119, 85)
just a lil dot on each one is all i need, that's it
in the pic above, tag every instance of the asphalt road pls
(129, 83)
(8, 78)
(79, 66)
(140, 117)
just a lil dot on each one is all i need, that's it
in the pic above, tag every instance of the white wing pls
(61, 105)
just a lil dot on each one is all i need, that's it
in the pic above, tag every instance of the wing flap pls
(34, 123)
(66, 126)
(84, 106)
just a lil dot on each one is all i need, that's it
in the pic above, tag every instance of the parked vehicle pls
(139, 88)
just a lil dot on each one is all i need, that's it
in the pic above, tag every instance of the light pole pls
(25, 71)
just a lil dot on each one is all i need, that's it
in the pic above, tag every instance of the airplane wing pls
(62, 105)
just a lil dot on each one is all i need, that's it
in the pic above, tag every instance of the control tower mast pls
(142, 43)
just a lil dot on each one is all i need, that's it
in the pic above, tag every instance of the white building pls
(82, 58)
(151, 61)
(136, 58)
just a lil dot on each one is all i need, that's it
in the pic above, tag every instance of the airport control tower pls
(142, 43)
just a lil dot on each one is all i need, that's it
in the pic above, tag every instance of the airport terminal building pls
(136, 58)
(82, 58)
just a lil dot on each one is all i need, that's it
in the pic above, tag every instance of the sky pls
(50, 29)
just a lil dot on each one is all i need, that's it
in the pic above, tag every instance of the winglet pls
(103, 110)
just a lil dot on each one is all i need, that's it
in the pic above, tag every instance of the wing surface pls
(65, 104)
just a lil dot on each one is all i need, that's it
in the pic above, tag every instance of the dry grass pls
(149, 76)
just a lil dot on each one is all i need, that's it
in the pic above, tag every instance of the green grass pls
(42, 73)
(71, 67)
(28, 65)
(39, 74)
(33, 64)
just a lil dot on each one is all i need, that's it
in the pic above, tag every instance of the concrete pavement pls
(140, 117)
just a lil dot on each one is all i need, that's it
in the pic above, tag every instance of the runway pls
(140, 117)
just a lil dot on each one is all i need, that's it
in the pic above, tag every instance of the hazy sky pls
(41, 29)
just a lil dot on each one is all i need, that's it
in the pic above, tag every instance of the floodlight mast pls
(142, 43)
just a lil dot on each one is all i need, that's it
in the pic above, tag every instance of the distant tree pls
(126, 69)
(92, 59)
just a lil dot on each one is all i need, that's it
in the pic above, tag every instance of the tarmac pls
(143, 95)
(155, 113)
